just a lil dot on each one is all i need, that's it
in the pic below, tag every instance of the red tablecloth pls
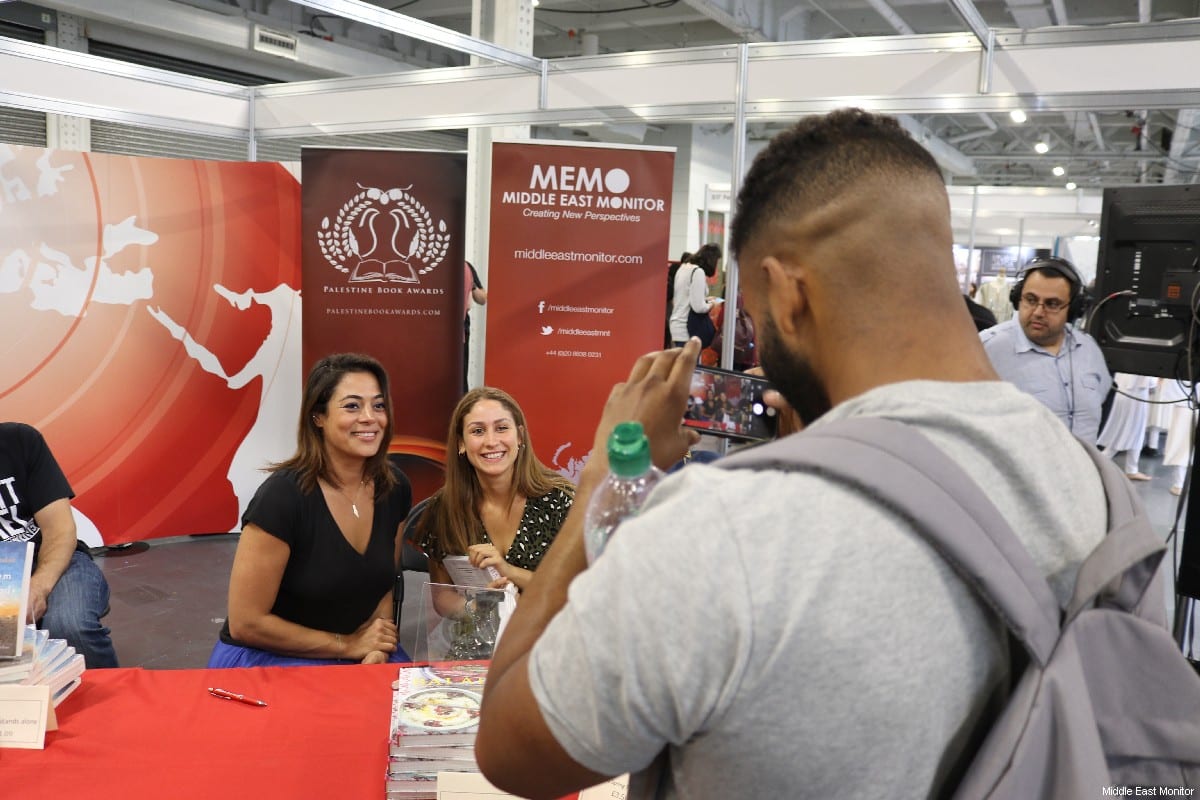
(132, 733)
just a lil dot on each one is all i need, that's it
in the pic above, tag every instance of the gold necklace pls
(353, 500)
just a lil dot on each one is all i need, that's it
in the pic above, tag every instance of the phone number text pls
(574, 353)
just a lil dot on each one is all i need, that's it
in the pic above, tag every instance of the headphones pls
(1062, 268)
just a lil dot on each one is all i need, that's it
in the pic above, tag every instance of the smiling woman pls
(500, 506)
(314, 570)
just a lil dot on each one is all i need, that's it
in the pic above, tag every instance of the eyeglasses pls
(1052, 305)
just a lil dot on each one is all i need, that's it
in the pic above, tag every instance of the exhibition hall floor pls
(168, 602)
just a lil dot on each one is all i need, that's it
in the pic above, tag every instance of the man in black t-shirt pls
(67, 593)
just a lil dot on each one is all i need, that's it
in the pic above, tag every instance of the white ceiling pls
(1094, 148)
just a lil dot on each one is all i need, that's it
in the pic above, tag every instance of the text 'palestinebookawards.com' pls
(386, 312)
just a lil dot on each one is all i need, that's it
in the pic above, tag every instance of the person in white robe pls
(1177, 453)
(1125, 429)
(993, 294)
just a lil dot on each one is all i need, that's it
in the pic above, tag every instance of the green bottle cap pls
(628, 450)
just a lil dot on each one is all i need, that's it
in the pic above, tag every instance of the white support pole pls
(729, 322)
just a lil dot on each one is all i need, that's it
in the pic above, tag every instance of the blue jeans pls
(74, 609)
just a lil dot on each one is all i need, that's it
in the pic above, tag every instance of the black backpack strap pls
(1122, 568)
(907, 473)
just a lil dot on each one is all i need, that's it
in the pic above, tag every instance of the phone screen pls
(729, 404)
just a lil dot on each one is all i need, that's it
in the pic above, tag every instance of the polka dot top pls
(540, 523)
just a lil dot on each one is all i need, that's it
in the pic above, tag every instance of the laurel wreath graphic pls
(338, 243)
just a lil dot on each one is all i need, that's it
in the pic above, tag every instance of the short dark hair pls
(819, 157)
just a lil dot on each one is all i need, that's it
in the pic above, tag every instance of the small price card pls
(25, 716)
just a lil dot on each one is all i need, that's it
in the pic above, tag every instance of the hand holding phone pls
(729, 404)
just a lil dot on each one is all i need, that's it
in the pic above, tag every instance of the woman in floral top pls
(500, 506)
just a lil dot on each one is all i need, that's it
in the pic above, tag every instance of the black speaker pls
(1060, 267)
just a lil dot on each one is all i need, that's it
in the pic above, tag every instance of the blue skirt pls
(232, 655)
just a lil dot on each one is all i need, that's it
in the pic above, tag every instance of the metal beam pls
(41, 78)
(1060, 12)
(202, 35)
(893, 19)
(950, 158)
(970, 15)
(1181, 140)
(1052, 70)
(720, 14)
(1094, 121)
(358, 11)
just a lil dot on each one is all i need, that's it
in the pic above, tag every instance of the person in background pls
(1041, 353)
(315, 566)
(980, 315)
(993, 295)
(1125, 429)
(475, 293)
(745, 347)
(68, 594)
(690, 293)
(500, 505)
(1181, 426)
(672, 268)
(727, 642)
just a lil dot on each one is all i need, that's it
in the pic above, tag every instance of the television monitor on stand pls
(1145, 319)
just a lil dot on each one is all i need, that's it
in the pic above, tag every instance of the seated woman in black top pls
(500, 506)
(316, 563)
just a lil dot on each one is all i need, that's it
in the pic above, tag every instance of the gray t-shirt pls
(773, 635)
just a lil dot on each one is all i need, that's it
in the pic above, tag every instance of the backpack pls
(745, 354)
(1106, 702)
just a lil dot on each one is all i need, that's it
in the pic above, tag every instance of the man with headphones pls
(1042, 353)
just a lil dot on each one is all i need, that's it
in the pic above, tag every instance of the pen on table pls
(241, 698)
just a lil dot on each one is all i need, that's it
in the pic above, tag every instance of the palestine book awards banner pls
(576, 281)
(382, 267)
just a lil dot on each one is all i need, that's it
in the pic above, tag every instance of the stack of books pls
(435, 716)
(16, 565)
(44, 662)
(28, 656)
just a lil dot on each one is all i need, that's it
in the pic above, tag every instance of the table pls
(134, 733)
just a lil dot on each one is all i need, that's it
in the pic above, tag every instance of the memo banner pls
(382, 264)
(576, 281)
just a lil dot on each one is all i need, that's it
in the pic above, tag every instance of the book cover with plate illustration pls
(436, 705)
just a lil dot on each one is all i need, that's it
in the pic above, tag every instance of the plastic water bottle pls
(631, 477)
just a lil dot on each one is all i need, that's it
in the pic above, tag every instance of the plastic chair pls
(411, 558)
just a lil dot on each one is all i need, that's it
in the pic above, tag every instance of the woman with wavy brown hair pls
(500, 506)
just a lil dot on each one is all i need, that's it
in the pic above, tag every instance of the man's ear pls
(787, 293)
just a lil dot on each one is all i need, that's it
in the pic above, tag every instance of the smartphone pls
(730, 404)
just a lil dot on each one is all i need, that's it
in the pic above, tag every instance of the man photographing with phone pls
(763, 633)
